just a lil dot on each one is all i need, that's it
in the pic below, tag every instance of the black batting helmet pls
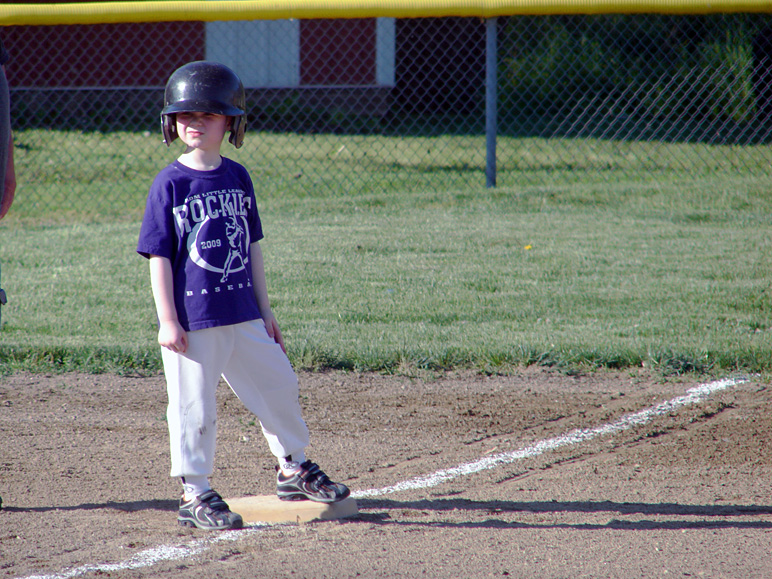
(208, 87)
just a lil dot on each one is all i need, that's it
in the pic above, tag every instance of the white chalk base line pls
(692, 396)
(150, 557)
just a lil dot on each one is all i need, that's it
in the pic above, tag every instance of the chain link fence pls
(373, 105)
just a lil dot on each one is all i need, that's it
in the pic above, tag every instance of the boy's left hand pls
(272, 327)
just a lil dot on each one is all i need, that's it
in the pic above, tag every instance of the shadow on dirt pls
(710, 516)
(128, 507)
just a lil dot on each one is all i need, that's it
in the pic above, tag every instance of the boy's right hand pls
(172, 336)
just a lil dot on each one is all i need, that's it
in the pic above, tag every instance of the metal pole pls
(491, 113)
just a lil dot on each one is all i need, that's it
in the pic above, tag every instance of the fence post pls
(491, 113)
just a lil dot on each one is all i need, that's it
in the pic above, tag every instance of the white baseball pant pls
(258, 372)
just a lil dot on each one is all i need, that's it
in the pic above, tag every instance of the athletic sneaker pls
(309, 483)
(209, 512)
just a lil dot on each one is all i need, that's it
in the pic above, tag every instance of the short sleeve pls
(156, 235)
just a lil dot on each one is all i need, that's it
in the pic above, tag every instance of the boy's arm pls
(10, 176)
(10, 182)
(171, 334)
(261, 293)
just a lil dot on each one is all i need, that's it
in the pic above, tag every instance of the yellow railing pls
(153, 11)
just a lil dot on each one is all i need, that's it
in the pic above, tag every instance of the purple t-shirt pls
(204, 222)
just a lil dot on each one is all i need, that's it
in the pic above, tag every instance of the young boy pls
(200, 233)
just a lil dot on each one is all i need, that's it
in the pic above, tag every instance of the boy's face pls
(203, 131)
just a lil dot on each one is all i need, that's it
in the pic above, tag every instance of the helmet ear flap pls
(169, 128)
(238, 128)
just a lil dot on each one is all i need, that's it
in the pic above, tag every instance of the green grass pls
(671, 272)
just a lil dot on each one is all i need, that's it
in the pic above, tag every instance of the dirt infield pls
(686, 493)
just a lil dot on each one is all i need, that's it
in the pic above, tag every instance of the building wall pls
(96, 56)
(266, 54)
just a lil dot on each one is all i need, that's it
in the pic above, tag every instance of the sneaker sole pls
(192, 524)
(304, 497)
